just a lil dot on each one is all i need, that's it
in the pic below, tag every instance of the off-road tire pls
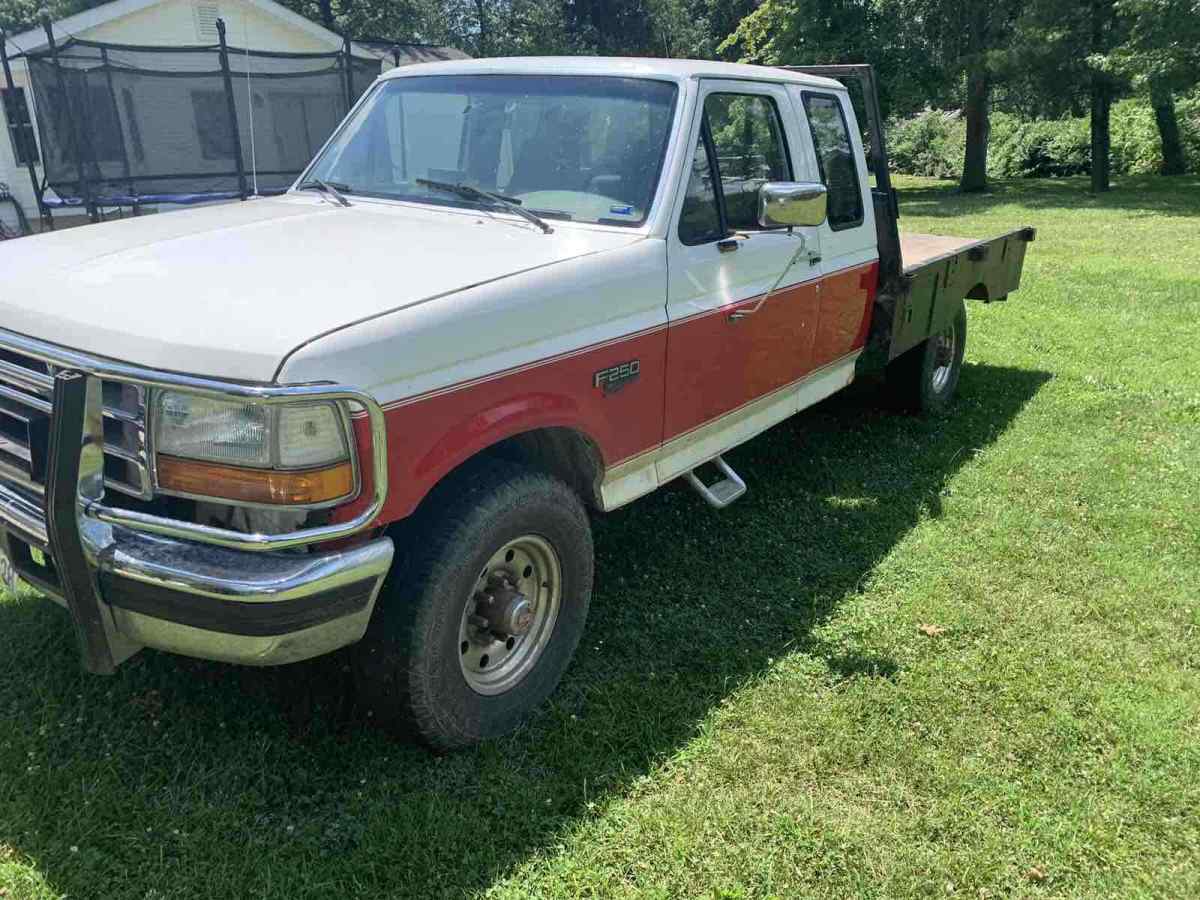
(912, 377)
(408, 677)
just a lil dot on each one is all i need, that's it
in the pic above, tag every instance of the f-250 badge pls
(614, 378)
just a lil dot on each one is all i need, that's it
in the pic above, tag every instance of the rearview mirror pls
(788, 203)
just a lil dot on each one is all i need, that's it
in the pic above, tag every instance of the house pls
(143, 135)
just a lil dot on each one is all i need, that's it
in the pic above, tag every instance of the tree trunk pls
(974, 176)
(1163, 102)
(975, 109)
(1101, 136)
(326, 9)
(483, 28)
(1102, 11)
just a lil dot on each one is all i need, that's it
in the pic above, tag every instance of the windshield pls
(587, 149)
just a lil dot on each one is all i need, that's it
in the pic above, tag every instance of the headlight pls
(295, 454)
(215, 430)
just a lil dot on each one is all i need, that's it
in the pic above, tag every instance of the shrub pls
(1137, 148)
(932, 142)
(1039, 148)
(929, 143)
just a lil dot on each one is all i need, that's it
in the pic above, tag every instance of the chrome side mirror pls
(788, 203)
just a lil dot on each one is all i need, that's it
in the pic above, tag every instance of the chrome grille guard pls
(19, 511)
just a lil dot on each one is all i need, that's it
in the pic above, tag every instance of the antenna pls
(250, 104)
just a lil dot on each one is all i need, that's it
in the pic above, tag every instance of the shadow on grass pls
(1150, 194)
(183, 779)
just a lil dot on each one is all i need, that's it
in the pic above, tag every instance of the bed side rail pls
(928, 295)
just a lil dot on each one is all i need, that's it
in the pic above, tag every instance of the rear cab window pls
(836, 159)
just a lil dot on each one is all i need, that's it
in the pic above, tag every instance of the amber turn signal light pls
(303, 487)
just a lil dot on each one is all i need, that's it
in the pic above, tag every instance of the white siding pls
(175, 22)
(15, 176)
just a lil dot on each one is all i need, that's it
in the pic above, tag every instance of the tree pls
(1065, 48)
(988, 25)
(21, 15)
(926, 52)
(879, 32)
(1160, 54)
(1103, 18)
(969, 41)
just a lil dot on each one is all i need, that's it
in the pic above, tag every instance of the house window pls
(135, 130)
(20, 125)
(91, 117)
(105, 121)
(211, 111)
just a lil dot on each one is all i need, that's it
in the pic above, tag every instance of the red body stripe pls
(431, 436)
(715, 366)
(846, 300)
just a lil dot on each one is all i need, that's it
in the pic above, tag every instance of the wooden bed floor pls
(918, 249)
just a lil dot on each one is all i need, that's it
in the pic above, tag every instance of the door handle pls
(728, 245)
(738, 314)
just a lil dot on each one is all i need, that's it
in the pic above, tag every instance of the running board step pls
(723, 492)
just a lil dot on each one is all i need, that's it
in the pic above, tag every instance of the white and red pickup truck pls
(377, 410)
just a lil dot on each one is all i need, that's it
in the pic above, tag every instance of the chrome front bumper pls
(210, 602)
(132, 581)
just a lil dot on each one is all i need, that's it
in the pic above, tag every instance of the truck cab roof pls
(677, 70)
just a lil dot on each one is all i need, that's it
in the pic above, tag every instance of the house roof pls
(35, 39)
(408, 53)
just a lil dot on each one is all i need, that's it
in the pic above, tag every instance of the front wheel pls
(925, 378)
(478, 621)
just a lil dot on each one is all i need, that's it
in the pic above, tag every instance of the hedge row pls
(931, 142)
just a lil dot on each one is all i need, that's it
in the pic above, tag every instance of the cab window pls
(747, 137)
(835, 159)
(741, 147)
(700, 221)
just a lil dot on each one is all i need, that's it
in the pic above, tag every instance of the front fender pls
(430, 436)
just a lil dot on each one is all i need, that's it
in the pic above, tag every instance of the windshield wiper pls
(473, 193)
(333, 190)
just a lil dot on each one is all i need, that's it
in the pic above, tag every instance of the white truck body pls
(617, 345)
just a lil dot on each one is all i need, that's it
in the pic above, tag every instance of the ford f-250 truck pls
(377, 410)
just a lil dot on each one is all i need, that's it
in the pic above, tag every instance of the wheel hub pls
(505, 610)
(509, 617)
(945, 346)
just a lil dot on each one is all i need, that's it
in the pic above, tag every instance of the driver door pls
(732, 360)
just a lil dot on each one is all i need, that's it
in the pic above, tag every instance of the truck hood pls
(228, 291)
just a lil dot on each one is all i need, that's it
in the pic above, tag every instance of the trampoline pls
(133, 126)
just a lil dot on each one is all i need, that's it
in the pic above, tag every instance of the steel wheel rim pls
(495, 661)
(945, 345)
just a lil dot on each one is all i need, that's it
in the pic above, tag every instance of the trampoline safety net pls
(124, 124)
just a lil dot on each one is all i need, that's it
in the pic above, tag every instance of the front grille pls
(26, 391)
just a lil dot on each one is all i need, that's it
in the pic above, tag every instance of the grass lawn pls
(920, 658)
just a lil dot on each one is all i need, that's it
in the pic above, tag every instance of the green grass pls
(755, 710)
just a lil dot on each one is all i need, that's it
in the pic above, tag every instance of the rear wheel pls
(926, 377)
(479, 618)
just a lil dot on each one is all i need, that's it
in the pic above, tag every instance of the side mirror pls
(788, 203)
